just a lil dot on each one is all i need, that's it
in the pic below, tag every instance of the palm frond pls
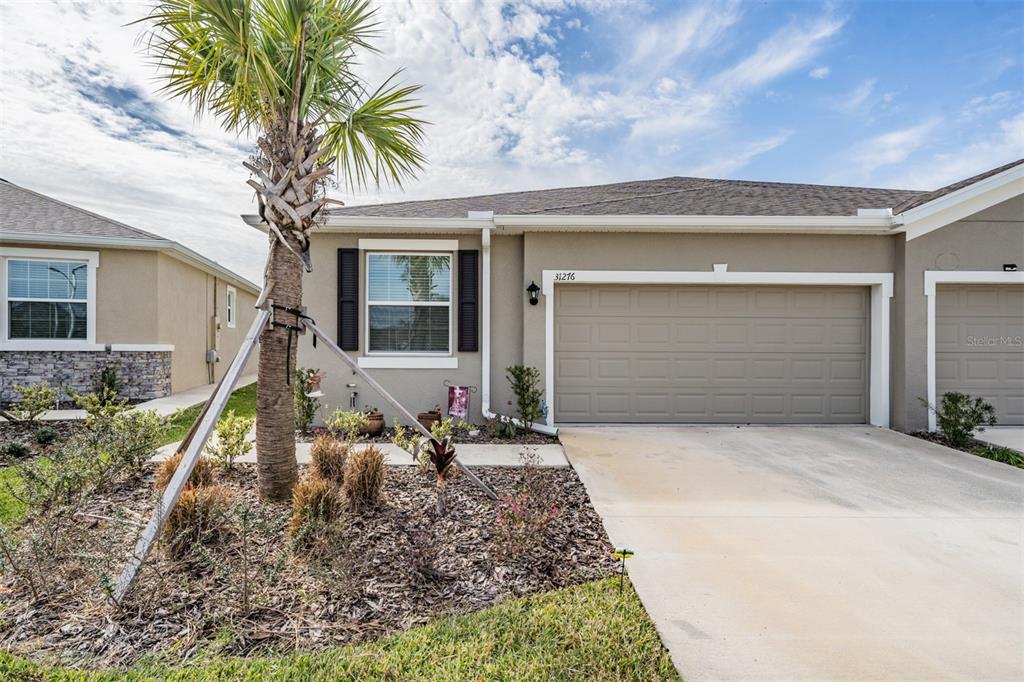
(380, 139)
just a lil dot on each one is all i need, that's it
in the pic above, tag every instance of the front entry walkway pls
(824, 553)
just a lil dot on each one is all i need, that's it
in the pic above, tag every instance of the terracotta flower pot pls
(428, 419)
(374, 424)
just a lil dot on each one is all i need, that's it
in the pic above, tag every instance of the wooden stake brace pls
(199, 433)
(408, 417)
(196, 441)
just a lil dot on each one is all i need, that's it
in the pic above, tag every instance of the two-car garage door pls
(714, 354)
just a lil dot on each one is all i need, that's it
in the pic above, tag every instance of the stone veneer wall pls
(144, 375)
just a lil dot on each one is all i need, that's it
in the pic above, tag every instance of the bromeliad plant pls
(442, 456)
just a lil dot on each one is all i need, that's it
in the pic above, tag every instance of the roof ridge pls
(87, 212)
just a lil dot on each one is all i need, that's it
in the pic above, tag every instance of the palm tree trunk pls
(275, 407)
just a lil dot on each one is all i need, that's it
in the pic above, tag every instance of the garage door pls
(717, 354)
(978, 345)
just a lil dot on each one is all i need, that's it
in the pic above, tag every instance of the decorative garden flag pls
(458, 401)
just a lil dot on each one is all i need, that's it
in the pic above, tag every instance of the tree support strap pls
(293, 329)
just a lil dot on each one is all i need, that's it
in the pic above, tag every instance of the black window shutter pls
(348, 299)
(469, 301)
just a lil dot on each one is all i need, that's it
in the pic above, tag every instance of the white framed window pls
(232, 307)
(49, 298)
(408, 303)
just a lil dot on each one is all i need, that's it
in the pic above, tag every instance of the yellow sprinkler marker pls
(622, 555)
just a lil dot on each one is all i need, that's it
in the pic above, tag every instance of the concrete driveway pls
(814, 553)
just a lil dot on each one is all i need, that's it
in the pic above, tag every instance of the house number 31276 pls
(565, 276)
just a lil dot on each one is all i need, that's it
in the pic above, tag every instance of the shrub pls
(524, 517)
(525, 382)
(34, 399)
(201, 476)
(231, 442)
(347, 424)
(14, 449)
(364, 477)
(108, 384)
(1002, 454)
(306, 381)
(328, 458)
(316, 504)
(960, 415)
(199, 518)
(129, 438)
(100, 408)
(45, 435)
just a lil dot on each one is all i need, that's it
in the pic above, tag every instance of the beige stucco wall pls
(416, 389)
(188, 300)
(983, 241)
(149, 297)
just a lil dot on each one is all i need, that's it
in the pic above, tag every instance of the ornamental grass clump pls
(198, 519)
(316, 505)
(364, 477)
(202, 473)
(329, 456)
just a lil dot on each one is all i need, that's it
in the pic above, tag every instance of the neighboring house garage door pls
(725, 354)
(978, 345)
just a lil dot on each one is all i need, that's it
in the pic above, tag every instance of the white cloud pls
(820, 72)
(787, 49)
(1003, 144)
(891, 148)
(739, 157)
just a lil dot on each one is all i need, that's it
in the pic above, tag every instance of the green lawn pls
(588, 632)
(242, 401)
(11, 509)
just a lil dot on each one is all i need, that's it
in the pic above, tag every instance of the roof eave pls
(168, 246)
(966, 201)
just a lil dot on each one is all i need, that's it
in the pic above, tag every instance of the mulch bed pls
(483, 436)
(25, 433)
(400, 566)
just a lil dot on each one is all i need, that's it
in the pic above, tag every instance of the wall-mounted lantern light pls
(533, 290)
(1010, 267)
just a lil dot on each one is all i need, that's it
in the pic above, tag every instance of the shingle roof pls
(924, 198)
(22, 210)
(667, 196)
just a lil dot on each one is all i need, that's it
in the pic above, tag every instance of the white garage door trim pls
(931, 279)
(881, 292)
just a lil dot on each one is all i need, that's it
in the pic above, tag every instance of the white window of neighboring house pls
(49, 297)
(232, 307)
(408, 303)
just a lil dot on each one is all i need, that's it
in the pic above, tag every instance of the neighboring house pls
(684, 300)
(81, 292)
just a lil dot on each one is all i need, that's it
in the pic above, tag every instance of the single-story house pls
(684, 300)
(81, 292)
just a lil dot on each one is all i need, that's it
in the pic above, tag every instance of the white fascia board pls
(363, 223)
(704, 223)
(172, 248)
(957, 205)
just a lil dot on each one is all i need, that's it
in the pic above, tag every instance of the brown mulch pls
(25, 433)
(483, 436)
(398, 565)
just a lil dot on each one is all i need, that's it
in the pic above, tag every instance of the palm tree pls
(285, 70)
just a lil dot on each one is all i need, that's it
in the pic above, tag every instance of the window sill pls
(407, 362)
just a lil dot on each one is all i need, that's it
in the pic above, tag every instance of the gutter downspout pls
(485, 379)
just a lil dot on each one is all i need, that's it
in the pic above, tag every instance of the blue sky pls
(539, 93)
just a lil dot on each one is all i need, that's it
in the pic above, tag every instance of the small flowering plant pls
(523, 517)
